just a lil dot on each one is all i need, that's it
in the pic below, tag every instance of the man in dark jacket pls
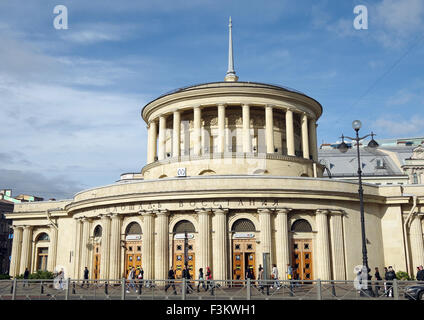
(26, 276)
(171, 277)
(377, 278)
(390, 276)
(420, 273)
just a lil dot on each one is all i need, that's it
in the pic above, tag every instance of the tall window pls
(42, 243)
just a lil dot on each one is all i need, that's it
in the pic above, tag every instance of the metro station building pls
(233, 166)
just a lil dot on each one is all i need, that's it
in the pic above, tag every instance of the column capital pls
(336, 212)
(17, 227)
(115, 216)
(146, 213)
(203, 211)
(322, 211)
(220, 211)
(104, 216)
(269, 106)
(264, 211)
(223, 104)
(283, 210)
(245, 104)
(164, 212)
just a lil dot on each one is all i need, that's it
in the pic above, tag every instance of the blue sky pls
(70, 100)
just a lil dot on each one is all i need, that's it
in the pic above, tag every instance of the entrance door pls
(302, 259)
(42, 259)
(132, 255)
(96, 262)
(243, 258)
(179, 258)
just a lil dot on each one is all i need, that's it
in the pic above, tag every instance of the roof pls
(375, 162)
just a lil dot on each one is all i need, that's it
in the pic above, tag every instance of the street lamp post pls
(356, 125)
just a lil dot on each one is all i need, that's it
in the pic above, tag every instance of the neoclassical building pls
(232, 178)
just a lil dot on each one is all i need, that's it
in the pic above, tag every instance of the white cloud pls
(392, 126)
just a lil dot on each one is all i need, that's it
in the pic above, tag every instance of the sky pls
(70, 99)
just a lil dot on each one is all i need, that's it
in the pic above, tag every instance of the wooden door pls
(132, 255)
(302, 259)
(243, 258)
(178, 248)
(42, 259)
(96, 261)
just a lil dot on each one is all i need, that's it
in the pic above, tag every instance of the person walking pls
(186, 275)
(377, 283)
(140, 277)
(209, 281)
(208, 278)
(130, 277)
(420, 273)
(26, 276)
(390, 276)
(260, 278)
(201, 280)
(85, 277)
(290, 277)
(274, 275)
(171, 278)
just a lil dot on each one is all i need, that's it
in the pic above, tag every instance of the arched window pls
(43, 237)
(133, 228)
(301, 225)
(243, 225)
(98, 231)
(42, 251)
(184, 226)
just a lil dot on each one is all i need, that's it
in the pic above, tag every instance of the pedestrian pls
(290, 276)
(420, 273)
(171, 278)
(260, 278)
(26, 276)
(201, 280)
(85, 277)
(274, 275)
(130, 277)
(186, 275)
(140, 276)
(208, 278)
(385, 282)
(390, 276)
(377, 283)
(249, 274)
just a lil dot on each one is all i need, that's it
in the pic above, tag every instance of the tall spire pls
(231, 74)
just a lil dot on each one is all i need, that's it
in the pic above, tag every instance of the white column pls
(161, 244)
(196, 130)
(221, 128)
(290, 133)
(152, 141)
(147, 246)
(16, 251)
(247, 140)
(282, 241)
(105, 247)
(26, 249)
(265, 225)
(162, 136)
(52, 254)
(269, 129)
(176, 135)
(77, 250)
(337, 245)
(416, 240)
(305, 136)
(323, 245)
(204, 238)
(313, 139)
(115, 247)
(85, 239)
(220, 263)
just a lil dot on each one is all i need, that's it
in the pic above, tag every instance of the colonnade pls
(23, 250)
(156, 138)
(212, 250)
